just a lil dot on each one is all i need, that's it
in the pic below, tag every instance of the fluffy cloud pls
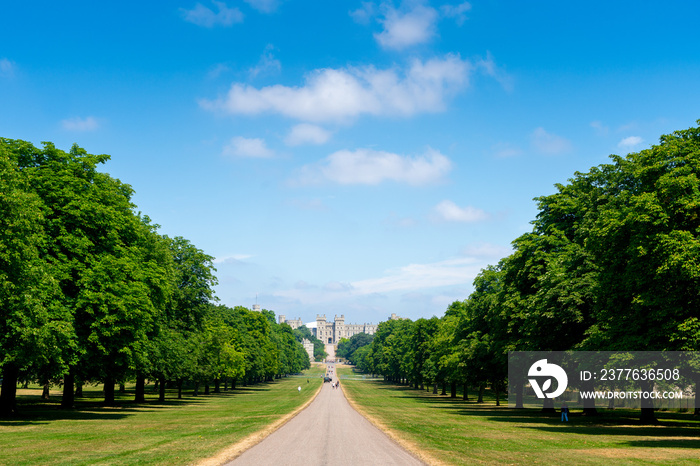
(365, 14)
(341, 94)
(80, 124)
(404, 29)
(370, 167)
(245, 147)
(305, 133)
(203, 16)
(410, 278)
(630, 142)
(267, 64)
(448, 211)
(548, 143)
(456, 11)
(263, 6)
(421, 276)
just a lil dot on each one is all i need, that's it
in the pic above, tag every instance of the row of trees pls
(612, 263)
(91, 292)
(347, 347)
(302, 333)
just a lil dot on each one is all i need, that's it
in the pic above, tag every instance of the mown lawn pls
(173, 432)
(452, 431)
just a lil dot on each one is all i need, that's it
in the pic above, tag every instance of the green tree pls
(33, 326)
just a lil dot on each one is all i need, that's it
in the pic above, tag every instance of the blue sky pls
(347, 157)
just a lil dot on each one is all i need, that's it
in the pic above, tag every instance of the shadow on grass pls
(33, 411)
(618, 422)
(666, 443)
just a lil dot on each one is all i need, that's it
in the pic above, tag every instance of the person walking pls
(564, 413)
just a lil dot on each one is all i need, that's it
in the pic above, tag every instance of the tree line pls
(90, 292)
(612, 263)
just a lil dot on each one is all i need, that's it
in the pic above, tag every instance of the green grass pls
(173, 432)
(453, 431)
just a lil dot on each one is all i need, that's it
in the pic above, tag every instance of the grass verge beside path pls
(452, 431)
(174, 432)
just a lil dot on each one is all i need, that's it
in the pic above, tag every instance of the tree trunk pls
(79, 389)
(122, 388)
(206, 388)
(45, 395)
(217, 384)
(179, 389)
(161, 392)
(548, 406)
(195, 392)
(435, 388)
(465, 394)
(453, 390)
(481, 394)
(140, 396)
(444, 389)
(233, 384)
(589, 408)
(109, 391)
(225, 385)
(68, 399)
(498, 395)
(8, 395)
(519, 389)
(647, 416)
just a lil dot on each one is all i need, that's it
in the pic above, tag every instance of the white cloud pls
(370, 167)
(456, 11)
(217, 70)
(263, 6)
(364, 14)
(404, 29)
(267, 64)
(306, 133)
(548, 143)
(410, 278)
(7, 68)
(203, 16)
(488, 66)
(233, 259)
(421, 276)
(448, 211)
(245, 147)
(80, 124)
(630, 142)
(342, 94)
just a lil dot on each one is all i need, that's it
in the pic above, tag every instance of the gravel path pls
(328, 432)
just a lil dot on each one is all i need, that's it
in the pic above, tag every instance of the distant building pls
(309, 347)
(256, 307)
(332, 332)
(294, 323)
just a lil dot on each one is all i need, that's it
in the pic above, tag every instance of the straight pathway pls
(328, 432)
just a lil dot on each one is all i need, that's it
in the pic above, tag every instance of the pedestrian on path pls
(564, 413)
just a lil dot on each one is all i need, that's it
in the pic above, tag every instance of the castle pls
(331, 332)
